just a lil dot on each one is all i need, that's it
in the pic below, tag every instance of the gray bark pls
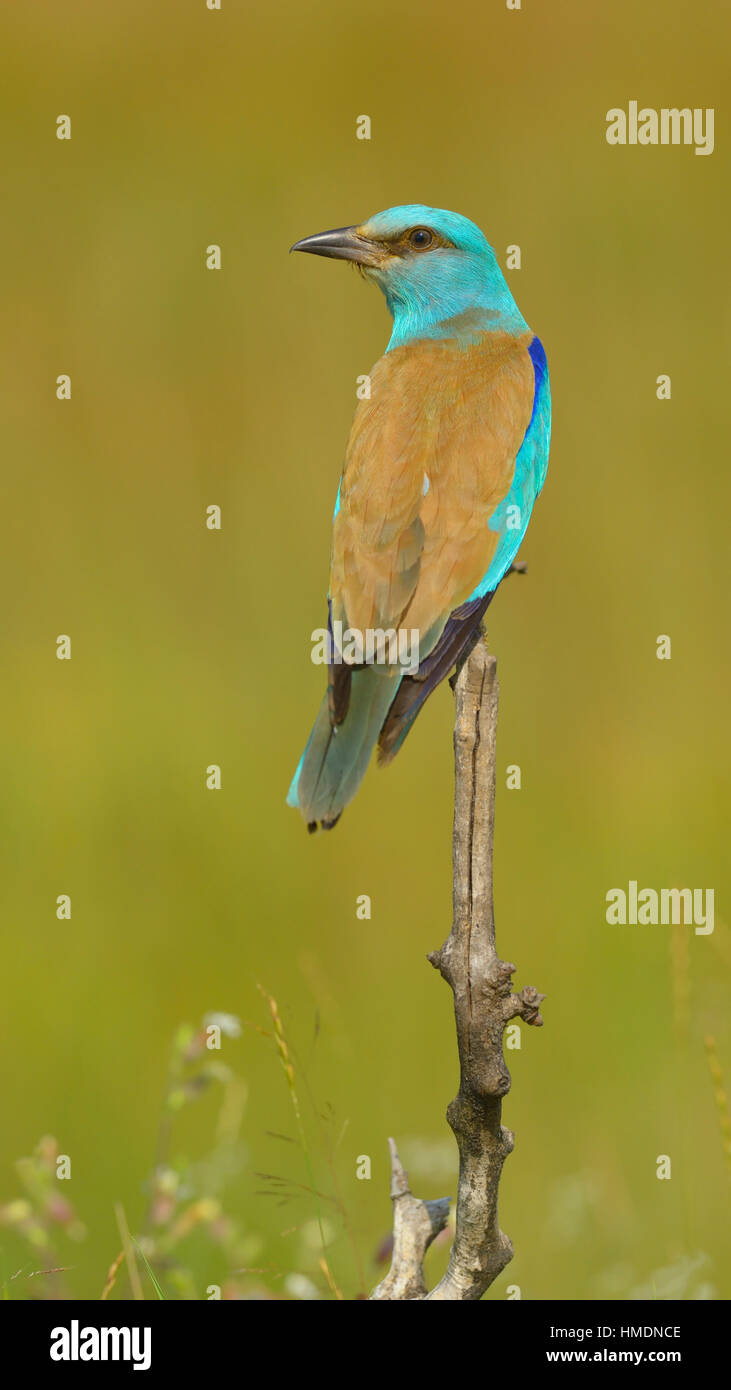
(484, 1003)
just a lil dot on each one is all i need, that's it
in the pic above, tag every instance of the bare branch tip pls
(399, 1176)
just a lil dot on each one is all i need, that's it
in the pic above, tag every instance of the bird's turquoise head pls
(433, 266)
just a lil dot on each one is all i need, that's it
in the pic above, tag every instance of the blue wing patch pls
(511, 517)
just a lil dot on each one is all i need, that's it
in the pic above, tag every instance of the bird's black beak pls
(343, 244)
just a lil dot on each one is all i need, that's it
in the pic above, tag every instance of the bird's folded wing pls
(431, 455)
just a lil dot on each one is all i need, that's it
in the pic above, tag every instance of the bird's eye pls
(420, 238)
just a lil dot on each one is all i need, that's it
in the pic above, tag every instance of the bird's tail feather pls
(335, 760)
(461, 631)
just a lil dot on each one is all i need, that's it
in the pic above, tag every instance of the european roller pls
(445, 459)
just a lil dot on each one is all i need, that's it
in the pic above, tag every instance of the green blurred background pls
(190, 647)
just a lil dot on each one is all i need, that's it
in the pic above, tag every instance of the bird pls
(447, 454)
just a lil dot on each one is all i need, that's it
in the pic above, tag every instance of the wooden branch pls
(415, 1224)
(484, 1003)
